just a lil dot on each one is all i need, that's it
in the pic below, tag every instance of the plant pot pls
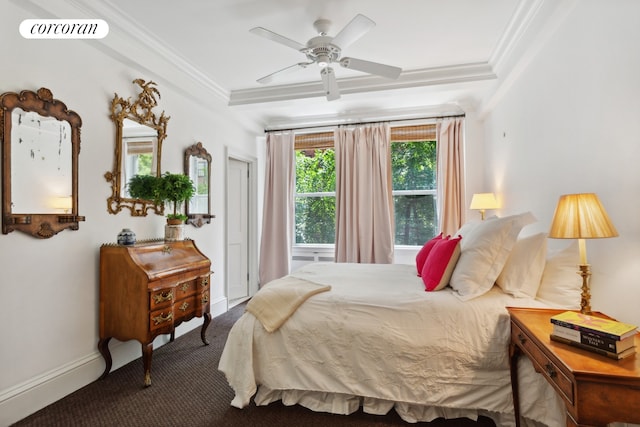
(174, 221)
(173, 233)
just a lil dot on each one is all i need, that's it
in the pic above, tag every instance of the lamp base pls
(585, 300)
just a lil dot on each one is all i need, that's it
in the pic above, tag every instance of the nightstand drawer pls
(543, 364)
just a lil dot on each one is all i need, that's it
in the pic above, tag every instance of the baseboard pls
(218, 306)
(24, 399)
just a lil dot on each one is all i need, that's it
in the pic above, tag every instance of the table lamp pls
(483, 201)
(581, 216)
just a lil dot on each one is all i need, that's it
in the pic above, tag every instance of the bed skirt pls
(546, 406)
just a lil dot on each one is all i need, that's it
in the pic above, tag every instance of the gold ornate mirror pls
(40, 147)
(138, 148)
(197, 166)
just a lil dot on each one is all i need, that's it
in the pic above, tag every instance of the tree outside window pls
(414, 194)
(315, 196)
(413, 166)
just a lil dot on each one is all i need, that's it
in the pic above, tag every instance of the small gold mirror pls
(138, 148)
(197, 166)
(40, 147)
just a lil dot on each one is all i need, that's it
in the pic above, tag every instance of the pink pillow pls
(421, 257)
(440, 263)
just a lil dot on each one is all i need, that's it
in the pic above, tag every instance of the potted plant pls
(175, 189)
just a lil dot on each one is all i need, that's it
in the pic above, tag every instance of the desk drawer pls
(185, 289)
(543, 364)
(161, 298)
(186, 307)
(162, 320)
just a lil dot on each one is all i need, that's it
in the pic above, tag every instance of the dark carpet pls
(188, 390)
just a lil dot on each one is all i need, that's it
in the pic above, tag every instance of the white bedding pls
(378, 340)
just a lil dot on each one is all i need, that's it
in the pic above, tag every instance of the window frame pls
(324, 140)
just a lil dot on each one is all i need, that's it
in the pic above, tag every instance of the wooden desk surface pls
(596, 389)
(579, 361)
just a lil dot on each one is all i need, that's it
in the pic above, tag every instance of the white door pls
(237, 229)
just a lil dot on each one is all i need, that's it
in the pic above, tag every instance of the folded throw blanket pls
(273, 304)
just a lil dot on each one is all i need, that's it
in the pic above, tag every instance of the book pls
(594, 340)
(605, 327)
(624, 353)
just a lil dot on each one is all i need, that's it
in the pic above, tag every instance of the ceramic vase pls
(126, 237)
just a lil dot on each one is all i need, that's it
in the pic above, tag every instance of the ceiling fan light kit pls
(324, 50)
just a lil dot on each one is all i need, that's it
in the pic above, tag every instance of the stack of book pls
(603, 336)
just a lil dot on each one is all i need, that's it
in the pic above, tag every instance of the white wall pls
(570, 124)
(50, 287)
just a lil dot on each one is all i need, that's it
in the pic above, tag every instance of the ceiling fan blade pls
(371, 67)
(330, 84)
(353, 31)
(268, 34)
(269, 78)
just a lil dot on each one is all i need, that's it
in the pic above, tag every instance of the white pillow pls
(468, 227)
(483, 252)
(561, 285)
(522, 272)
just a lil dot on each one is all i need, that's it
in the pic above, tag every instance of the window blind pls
(320, 140)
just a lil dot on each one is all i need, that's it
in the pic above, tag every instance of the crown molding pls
(399, 115)
(522, 18)
(130, 42)
(408, 79)
(537, 26)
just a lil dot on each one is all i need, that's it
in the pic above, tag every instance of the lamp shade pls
(581, 216)
(483, 201)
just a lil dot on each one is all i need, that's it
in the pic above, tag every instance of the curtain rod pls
(364, 123)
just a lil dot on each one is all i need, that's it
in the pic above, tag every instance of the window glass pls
(315, 196)
(413, 166)
(414, 193)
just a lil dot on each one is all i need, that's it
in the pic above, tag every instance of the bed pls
(370, 336)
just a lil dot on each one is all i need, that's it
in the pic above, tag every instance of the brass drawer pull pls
(164, 296)
(550, 370)
(205, 282)
(185, 286)
(205, 297)
(184, 306)
(161, 319)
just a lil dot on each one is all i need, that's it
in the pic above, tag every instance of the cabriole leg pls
(147, 353)
(103, 347)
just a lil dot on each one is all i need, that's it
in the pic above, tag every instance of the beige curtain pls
(278, 211)
(364, 201)
(450, 135)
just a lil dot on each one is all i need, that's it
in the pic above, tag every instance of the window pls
(413, 155)
(413, 166)
(315, 196)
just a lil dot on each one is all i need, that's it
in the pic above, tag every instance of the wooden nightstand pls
(596, 390)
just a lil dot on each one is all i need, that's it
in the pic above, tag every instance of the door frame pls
(252, 219)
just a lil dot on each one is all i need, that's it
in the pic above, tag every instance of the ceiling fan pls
(325, 50)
